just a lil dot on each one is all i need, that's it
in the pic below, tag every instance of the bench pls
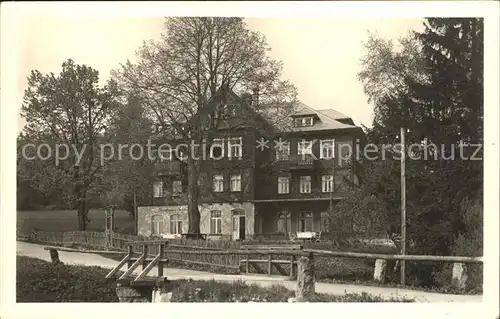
(276, 263)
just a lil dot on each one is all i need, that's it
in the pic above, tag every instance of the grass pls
(66, 220)
(41, 281)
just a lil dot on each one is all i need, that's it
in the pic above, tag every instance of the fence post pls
(247, 265)
(130, 252)
(161, 248)
(54, 256)
(145, 254)
(269, 264)
(380, 270)
(292, 267)
(459, 276)
(305, 278)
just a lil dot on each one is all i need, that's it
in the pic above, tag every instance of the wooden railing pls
(133, 262)
(228, 255)
(158, 253)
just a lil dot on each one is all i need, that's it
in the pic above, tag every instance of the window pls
(304, 147)
(284, 223)
(304, 121)
(305, 221)
(175, 224)
(177, 187)
(235, 148)
(327, 183)
(327, 149)
(220, 111)
(158, 189)
(156, 225)
(235, 182)
(283, 185)
(345, 153)
(283, 151)
(163, 154)
(325, 222)
(217, 149)
(305, 184)
(216, 222)
(218, 183)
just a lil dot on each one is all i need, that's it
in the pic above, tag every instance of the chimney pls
(255, 97)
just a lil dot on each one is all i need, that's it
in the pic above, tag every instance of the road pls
(87, 259)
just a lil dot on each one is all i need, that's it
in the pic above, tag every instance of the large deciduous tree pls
(69, 109)
(184, 76)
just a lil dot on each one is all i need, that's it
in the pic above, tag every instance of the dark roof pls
(328, 119)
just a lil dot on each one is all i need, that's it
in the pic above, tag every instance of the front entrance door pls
(236, 227)
(239, 224)
(242, 227)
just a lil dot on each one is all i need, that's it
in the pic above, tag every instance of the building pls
(250, 190)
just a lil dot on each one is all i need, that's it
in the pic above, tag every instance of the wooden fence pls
(196, 248)
(228, 254)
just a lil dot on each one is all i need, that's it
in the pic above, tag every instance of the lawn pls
(66, 220)
(41, 281)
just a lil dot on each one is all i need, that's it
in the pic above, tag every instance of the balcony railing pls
(169, 168)
(298, 162)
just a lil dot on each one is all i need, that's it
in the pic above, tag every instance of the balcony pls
(299, 162)
(169, 168)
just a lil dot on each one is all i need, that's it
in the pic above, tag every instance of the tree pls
(186, 77)
(129, 174)
(434, 90)
(71, 112)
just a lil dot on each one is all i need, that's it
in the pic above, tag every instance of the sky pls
(321, 55)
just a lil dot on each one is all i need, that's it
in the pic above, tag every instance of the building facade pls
(256, 181)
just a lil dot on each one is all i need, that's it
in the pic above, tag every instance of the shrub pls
(212, 291)
(468, 243)
(40, 281)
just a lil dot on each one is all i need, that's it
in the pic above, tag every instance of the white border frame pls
(10, 22)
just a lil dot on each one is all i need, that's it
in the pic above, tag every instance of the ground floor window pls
(305, 221)
(175, 224)
(216, 222)
(284, 222)
(156, 225)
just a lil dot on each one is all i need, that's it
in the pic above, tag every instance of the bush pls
(40, 281)
(212, 291)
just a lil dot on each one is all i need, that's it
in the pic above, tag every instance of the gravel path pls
(74, 258)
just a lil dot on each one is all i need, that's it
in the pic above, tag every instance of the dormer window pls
(304, 121)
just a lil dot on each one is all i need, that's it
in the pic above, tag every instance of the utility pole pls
(135, 211)
(332, 188)
(332, 185)
(403, 205)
